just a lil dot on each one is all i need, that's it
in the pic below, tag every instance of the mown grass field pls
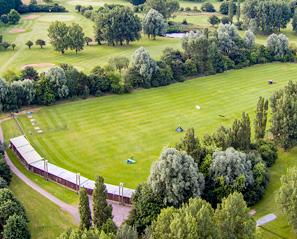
(96, 136)
(47, 221)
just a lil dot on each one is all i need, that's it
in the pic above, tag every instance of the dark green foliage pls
(231, 11)
(165, 7)
(192, 146)
(40, 43)
(29, 73)
(207, 7)
(84, 210)
(241, 133)
(261, 118)
(225, 20)
(5, 172)
(224, 8)
(126, 232)
(9, 208)
(3, 183)
(109, 227)
(13, 17)
(294, 22)
(117, 25)
(269, 15)
(55, 7)
(137, 2)
(29, 44)
(16, 228)
(146, 205)
(284, 114)
(7, 5)
(214, 20)
(101, 209)
(268, 151)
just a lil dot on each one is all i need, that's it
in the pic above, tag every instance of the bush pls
(268, 152)
(207, 7)
(41, 8)
(225, 20)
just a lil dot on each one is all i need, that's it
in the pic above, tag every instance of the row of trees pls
(13, 17)
(13, 218)
(203, 53)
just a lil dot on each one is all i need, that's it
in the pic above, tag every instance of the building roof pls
(19, 141)
(29, 154)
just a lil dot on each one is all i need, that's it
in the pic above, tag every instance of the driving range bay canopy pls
(35, 163)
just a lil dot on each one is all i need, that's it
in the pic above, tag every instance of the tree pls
(278, 45)
(29, 73)
(5, 172)
(137, 2)
(78, 8)
(119, 63)
(4, 19)
(154, 24)
(9, 208)
(214, 20)
(58, 34)
(40, 43)
(249, 39)
(261, 118)
(88, 40)
(16, 228)
(117, 25)
(84, 210)
(294, 22)
(145, 67)
(13, 17)
(13, 46)
(268, 151)
(29, 44)
(175, 176)
(233, 219)
(287, 196)
(224, 8)
(146, 206)
(126, 232)
(231, 171)
(196, 46)
(191, 145)
(228, 38)
(76, 37)
(165, 7)
(207, 7)
(230, 11)
(238, 11)
(194, 220)
(5, 45)
(7, 5)
(241, 133)
(284, 112)
(269, 16)
(101, 209)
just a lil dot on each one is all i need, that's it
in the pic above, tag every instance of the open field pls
(47, 221)
(96, 136)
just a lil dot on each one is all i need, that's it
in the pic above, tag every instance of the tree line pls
(13, 218)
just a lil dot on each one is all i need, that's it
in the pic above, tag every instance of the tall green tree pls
(192, 146)
(84, 210)
(284, 114)
(5, 172)
(233, 220)
(165, 7)
(241, 133)
(230, 11)
(154, 24)
(58, 35)
(175, 177)
(238, 11)
(76, 37)
(101, 209)
(261, 118)
(16, 227)
(287, 196)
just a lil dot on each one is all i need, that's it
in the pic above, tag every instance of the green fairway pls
(47, 221)
(97, 135)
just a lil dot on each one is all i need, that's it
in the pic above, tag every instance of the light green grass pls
(96, 136)
(47, 221)
(268, 204)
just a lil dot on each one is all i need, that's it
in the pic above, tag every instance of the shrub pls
(207, 7)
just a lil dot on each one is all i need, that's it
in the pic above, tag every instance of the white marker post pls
(46, 169)
(78, 181)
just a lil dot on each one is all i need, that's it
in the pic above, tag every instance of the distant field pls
(47, 221)
(97, 135)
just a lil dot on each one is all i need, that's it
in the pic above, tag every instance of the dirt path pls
(119, 212)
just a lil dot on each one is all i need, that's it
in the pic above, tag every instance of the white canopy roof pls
(19, 141)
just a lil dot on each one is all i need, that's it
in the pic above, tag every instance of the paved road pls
(120, 213)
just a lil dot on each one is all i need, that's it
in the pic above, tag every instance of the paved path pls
(120, 213)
